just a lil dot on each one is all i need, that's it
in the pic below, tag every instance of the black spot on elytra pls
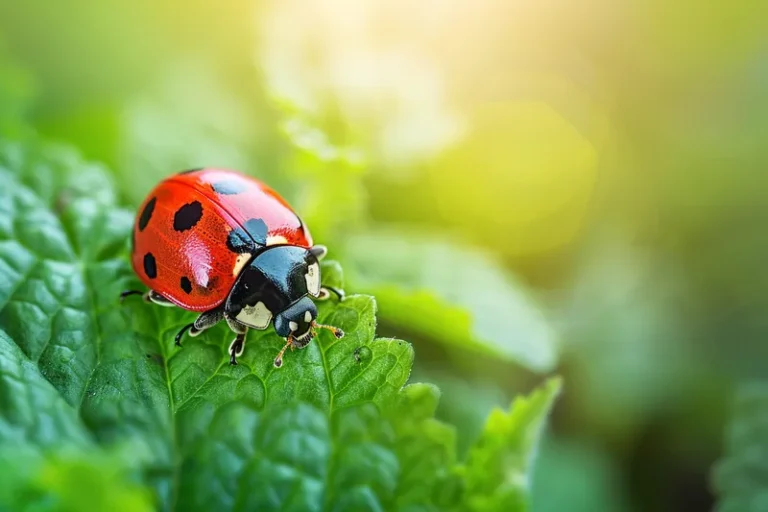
(150, 265)
(188, 171)
(147, 213)
(248, 238)
(188, 216)
(239, 242)
(257, 229)
(228, 187)
(186, 285)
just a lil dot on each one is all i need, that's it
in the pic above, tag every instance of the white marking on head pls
(293, 326)
(257, 316)
(307, 316)
(276, 240)
(242, 261)
(313, 279)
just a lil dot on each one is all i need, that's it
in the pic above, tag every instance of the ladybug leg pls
(182, 332)
(335, 330)
(279, 359)
(325, 293)
(150, 296)
(208, 320)
(128, 293)
(204, 321)
(319, 251)
(156, 298)
(237, 347)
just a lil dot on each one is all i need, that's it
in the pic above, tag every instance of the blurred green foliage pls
(570, 186)
(739, 477)
(67, 480)
(450, 292)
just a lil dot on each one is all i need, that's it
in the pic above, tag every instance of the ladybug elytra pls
(223, 244)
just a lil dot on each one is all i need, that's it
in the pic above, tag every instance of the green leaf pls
(62, 259)
(333, 429)
(31, 409)
(740, 477)
(469, 401)
(295, 458)
(450, 293)
(499, 464)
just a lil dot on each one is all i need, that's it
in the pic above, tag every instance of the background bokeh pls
(527, 188)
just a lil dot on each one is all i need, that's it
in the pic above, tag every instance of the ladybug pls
(227, 246)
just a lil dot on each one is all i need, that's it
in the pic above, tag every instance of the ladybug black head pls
(297, 320)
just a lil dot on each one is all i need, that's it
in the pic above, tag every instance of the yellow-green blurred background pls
(527, 187)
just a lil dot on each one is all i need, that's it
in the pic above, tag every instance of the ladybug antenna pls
(279, 359)
(335, 330)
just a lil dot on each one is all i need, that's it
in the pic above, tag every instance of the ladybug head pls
(298, 321)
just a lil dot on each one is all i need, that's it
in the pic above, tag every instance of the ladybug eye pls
(307, 316)
(312, 278)
(293, 326)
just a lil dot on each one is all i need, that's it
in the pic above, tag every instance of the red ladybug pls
(228, 246)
